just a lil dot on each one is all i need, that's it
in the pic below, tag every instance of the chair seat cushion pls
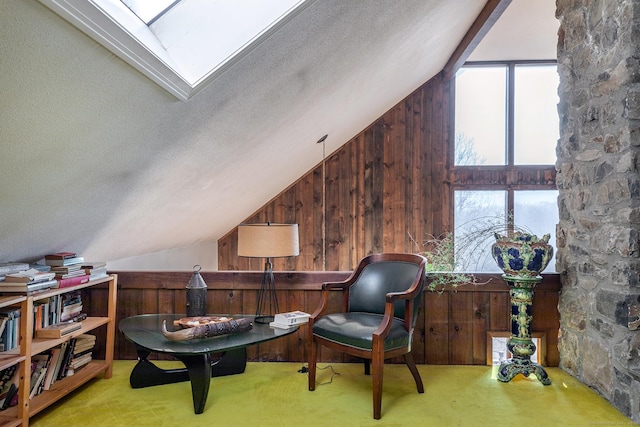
(356, 330)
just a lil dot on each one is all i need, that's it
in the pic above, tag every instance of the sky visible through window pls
(481, 113)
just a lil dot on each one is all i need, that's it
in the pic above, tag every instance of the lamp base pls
(267, 300)
(263, 320)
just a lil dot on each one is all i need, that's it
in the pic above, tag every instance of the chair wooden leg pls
(408, 358)
(367, 367)
(378, 368)
(313, 351)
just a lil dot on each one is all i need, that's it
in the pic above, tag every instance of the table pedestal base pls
(199, 369)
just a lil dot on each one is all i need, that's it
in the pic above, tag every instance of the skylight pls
(181, 45)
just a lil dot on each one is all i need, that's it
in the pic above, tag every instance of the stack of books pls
(289, 320)
(28, 282)
(9, 328)
(82, 352)
(59, 355)
(61, 362)
(72, 269)
(9, 387)
(12, 267)
(95, 269)
(71, 308)
(67, 267)
(63, 259)
(39, 367)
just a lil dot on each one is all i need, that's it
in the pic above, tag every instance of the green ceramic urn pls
(522, 254)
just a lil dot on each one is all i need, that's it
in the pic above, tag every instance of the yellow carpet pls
(275, 394)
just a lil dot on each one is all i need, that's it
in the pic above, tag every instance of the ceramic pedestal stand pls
(520, 343)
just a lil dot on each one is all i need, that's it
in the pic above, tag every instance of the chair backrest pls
(383, 275)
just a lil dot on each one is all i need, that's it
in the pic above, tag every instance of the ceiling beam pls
(480, 27)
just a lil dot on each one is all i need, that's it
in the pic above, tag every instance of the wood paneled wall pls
(383, 191)
(452, 327)
(386, 190)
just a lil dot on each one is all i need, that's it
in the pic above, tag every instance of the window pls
(533, 210)
(506, 114)
(481, 116)
(505, 133)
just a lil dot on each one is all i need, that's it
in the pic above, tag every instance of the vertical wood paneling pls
(461, 328)
(167, 301)
(451, 329)
(481, 312)
(419, 337)
(355, 225)
(343, 209)
(387, 189)
(436, 328)
(545, 317)
(499, 303)
(149, 303)
(333, 226)
(304, 216)
(318, 217)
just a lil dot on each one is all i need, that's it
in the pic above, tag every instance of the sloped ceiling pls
(98, 159)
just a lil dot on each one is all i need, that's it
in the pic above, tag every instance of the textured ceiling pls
(98, 159)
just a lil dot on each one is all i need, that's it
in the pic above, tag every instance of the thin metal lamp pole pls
(267, 299)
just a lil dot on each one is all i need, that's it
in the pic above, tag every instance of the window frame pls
(509, 177)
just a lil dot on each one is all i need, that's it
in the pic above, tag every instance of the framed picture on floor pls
(497, 347)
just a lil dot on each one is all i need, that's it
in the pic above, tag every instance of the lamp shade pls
(267, 240)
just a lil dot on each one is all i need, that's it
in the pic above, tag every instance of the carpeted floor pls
(275, 394)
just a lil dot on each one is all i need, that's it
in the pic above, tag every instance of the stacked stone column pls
(599, 195)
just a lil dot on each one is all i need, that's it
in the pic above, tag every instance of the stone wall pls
(599, 202)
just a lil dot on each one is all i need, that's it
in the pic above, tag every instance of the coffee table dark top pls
(146, 331)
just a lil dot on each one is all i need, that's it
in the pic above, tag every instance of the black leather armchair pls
(380, 306)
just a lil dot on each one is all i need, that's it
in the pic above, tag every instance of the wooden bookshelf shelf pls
(30, 346)
(7, 360)
(38, 345)
(7, 421)
(65, 386)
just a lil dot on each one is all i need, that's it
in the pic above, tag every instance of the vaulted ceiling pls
(98, 159)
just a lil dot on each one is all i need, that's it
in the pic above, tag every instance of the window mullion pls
(510, 106)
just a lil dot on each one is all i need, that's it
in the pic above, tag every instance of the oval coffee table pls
(203, 358)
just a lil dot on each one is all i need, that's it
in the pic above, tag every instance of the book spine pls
(64, 366)
(13, 391)
(73, 281)
(61, 255)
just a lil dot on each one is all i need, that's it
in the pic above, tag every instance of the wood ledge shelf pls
(293, 280)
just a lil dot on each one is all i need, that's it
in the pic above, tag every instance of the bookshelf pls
(10, 358)
(30, 346)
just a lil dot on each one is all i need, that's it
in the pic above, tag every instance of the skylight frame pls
(139, 13)
(114, 26)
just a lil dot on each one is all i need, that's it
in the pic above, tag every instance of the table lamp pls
(267, 240)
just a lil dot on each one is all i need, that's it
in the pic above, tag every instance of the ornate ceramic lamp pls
(267, 240)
